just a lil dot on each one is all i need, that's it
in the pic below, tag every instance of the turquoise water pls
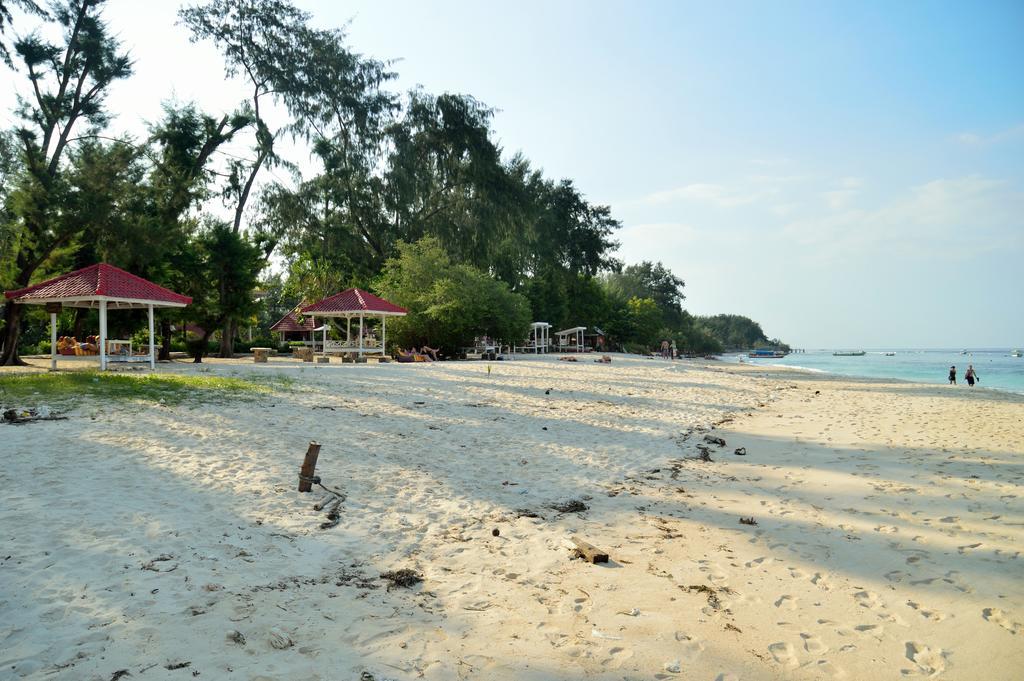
(996, 368)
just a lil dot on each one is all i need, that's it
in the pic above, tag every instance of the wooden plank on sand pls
(590, 552)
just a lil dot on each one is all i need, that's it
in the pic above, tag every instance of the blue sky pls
(848, 174)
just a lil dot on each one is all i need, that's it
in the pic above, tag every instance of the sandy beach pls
(157, 542)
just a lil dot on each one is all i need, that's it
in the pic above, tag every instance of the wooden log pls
(590, 552)
(308, 467)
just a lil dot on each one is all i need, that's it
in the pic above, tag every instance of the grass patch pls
(171, 389)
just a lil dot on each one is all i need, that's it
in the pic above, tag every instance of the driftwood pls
(589, 552)
(309, 467)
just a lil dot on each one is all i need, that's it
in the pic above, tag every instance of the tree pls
(219, 269)
(654, 281)
(449, 303)
(69, 83)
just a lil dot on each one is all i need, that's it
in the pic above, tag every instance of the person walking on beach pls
(664, 349)
(952, 375)
(674, 349)
(971, 375)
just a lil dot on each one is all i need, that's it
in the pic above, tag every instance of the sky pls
(847, 174)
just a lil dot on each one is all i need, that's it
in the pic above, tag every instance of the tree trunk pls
(227, 340)
(165, 345)
(9, 356)
(79, 323)
(200, 348)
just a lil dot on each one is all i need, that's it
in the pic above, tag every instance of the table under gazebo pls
(102, 287)
(353, 304)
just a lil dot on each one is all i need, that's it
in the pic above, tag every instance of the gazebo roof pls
(290, 322)
(351, 302)
(89, 286)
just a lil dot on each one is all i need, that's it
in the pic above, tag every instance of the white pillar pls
(103, 335)
(360, 335)
(152, 344)
(53, 341)
(383, 335)
(348, 330)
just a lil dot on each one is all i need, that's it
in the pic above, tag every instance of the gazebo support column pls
(348, 330)
(53, 341)
(360, 335)
(383, 335)
(152, 343)
(103, 335)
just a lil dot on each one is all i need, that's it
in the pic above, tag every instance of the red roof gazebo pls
(354, 303)
(290, 324)
(100, 286)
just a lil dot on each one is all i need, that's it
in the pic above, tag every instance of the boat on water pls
(890, 354)
(766, 354)
(849, 353)
(1017, 353)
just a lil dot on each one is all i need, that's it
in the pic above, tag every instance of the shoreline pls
(856, 378)
(888, 524)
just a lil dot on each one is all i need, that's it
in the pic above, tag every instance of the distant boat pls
(963, 352)
(767, 354)
(890, 354)
(1017, 353)
(851, 353)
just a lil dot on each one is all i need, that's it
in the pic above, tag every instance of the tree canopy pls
(408, 194)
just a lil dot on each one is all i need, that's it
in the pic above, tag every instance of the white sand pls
(890, 522)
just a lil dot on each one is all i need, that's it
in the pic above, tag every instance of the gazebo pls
(571, 338)
(352, 304)
(289, 325)
(103, 287)
(539, 339)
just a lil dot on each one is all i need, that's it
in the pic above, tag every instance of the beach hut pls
(539, 339)
(356, 304)
(102, 287)
(290, 328)
(571, 339)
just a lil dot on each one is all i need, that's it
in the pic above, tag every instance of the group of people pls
(971, 376)
(668, 351)
(421, 354)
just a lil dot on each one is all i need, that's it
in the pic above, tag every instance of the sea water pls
(996, 367)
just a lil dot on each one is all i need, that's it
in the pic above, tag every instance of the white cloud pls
(974, 139)
(944, 218)
(715, 194)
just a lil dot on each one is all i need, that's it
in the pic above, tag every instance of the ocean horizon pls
(996, 367)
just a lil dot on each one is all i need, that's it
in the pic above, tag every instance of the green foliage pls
(449, 303)
(736, 332)
(219, 269)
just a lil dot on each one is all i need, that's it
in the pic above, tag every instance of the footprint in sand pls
(617, 656)
(967, 547)
(999, 617)
(887, 529)
(784, 653)
(867, 599)
(927, 613)
(813, 644)
(763, 561)
(825, 668)
(873, 630)
(930, 661)
(691, 649)
(786, 601)
(822, 581)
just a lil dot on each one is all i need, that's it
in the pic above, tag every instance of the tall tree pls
(267, 43)
(69, 83)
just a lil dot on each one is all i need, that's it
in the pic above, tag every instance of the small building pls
(294, 327)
